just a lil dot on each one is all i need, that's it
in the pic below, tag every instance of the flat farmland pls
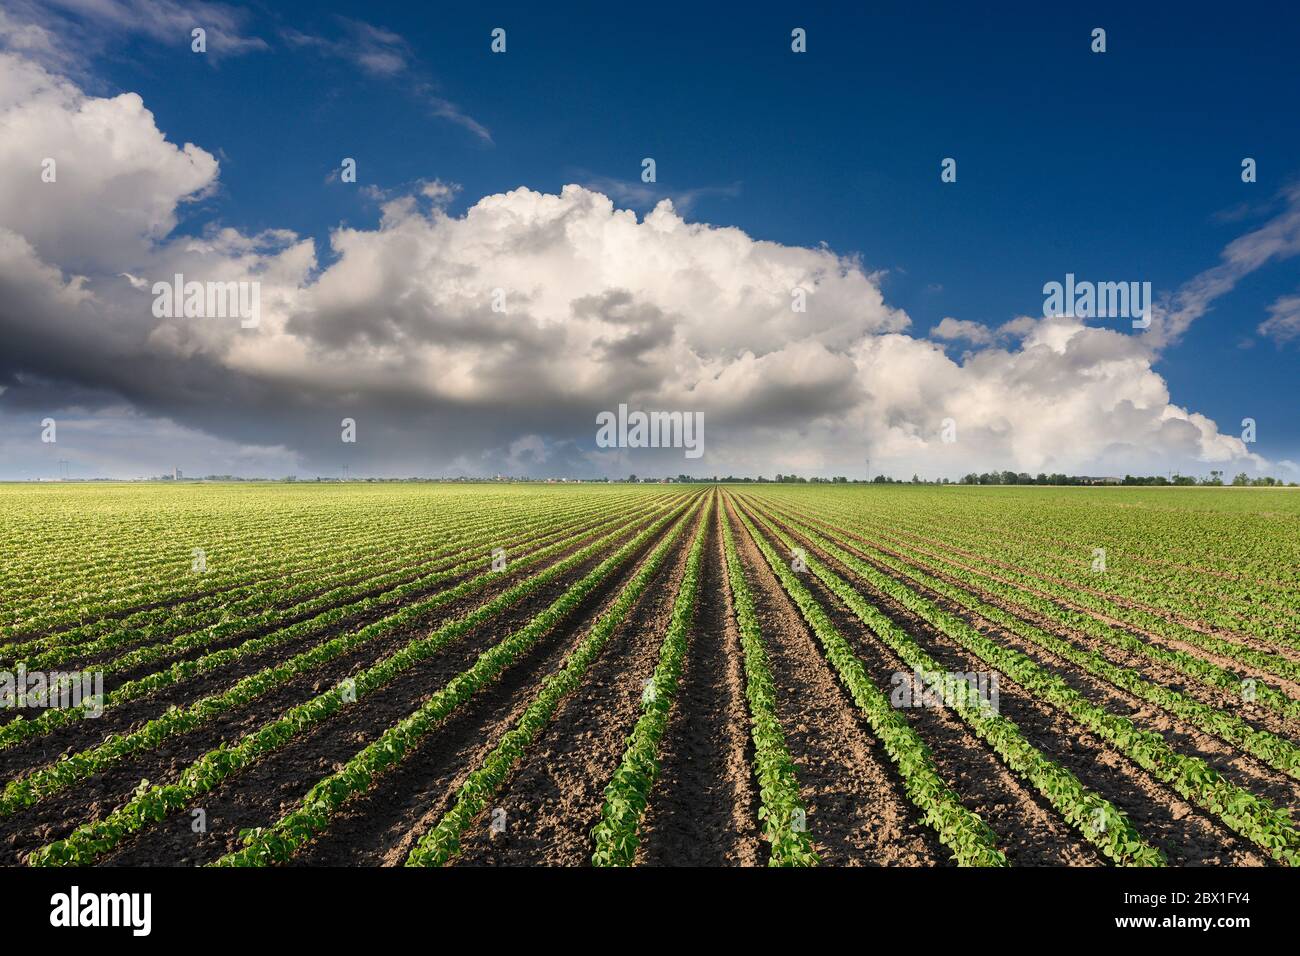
(420, 674)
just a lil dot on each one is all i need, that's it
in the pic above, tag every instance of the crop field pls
(370, 674)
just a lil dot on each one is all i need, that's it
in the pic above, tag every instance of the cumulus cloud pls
(1070, 397)
(963, 330)
(117, 181)
(490, 341)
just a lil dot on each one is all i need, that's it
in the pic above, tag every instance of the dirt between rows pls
(95, 797)
(1151, 670)
(383, 826)
(1029, 830)
(554, 796)
(289, 616)
(703, 807)
(704, 803)
(123, 718)
(1230, 760)
(261, 794)
(1186, 834)
(1247, 641)
(175, 601)
(857, 810)
(1256, 641)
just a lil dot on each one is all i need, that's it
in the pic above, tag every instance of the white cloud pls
(118, 181)
(61, 33)
(1277, 239)
(375, 50)
(963, 330)
(439, 192)
(1283, 322)
(601, 307)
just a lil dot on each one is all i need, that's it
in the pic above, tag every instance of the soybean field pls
(423, 674)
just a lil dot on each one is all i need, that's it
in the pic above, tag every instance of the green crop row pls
(280, 841)
(1198, 668)
(152, 803)
(1099, 608)
(1097, 819)
(1276, 751)
(1261, 608)
(194, 611)
(265, 608)
(263, 556)
(442, 842)
(626, 795)
(21, 729)
(93, 569)
(1248, 814)
(782, 813)
(968, 837)
(72, 768)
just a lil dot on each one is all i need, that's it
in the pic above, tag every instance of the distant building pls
(176, 474)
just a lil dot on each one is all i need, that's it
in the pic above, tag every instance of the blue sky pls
(1116, 166)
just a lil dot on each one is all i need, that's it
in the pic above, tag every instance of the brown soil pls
(36, 751)
(704, 803)
(1251, 642)
(260, 794)
(381, 827)
(93, 798)
(1228, 759)
(703, 808)
(1029, 830)
(858, 813)
(554, 797)
(1187, 835)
